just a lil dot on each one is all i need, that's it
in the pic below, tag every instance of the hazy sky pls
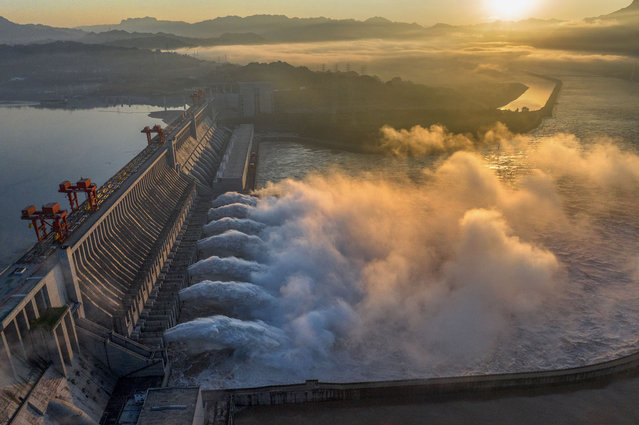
(84, 12)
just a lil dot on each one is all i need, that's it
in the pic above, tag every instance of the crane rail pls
(41, 250)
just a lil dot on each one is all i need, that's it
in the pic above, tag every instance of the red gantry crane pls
(51, 216)
(156, 129)
(198, 97)
(82, 185)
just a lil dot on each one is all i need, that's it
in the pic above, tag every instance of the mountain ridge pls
(151, 33)
(13, 33)
(272, 27)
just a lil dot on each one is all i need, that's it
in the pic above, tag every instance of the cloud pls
(423, 141)
(420, 141)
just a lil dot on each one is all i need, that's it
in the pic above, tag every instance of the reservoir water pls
(39, 148)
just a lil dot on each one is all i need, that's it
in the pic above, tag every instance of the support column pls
(71, 284)
(17, 328)
(170, 150)
(57, 354)
(7, 351)
(73, 335)
(22, 320)
(212, 112)
(26, 319)
(193, 128)
(68, 349)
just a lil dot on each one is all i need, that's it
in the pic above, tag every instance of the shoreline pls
(544, 112)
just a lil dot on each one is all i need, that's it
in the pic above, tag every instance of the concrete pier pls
(233, 171)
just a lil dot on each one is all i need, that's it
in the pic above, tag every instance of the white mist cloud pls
(436, 139)
(369, 278)
(423, 141)
(231, 243)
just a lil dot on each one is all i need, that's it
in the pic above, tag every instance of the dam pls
(95, 299)
(84, 319)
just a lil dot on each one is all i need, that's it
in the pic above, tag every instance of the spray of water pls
(231, 243)
(370, 279)
(238, 299)
(237, 210)
(247, 226)
(234, 198)
(228, 268)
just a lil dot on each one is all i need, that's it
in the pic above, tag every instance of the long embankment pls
(431, 390)
(554, 96)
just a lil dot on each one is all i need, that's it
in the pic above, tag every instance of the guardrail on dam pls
(109, 290)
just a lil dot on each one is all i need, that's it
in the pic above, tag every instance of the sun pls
(509, 9)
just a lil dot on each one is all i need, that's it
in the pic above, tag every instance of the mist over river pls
(519, 255)
(589, 107)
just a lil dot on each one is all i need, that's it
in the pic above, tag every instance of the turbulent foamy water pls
(505, 254)
(522, 256)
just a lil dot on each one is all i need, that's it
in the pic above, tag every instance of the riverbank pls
(533, 118)
(539, 90)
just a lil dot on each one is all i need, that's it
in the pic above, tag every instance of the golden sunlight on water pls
(533, 99)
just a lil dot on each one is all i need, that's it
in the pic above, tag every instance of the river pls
(589, 107)
(592, 315)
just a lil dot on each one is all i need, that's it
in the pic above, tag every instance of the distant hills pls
(632, 9)
(12, 33)
(619, 34)
(275, 28)
(165, 41)
(153, 33)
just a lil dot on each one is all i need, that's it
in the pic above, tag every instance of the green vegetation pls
(343, 107)
(48, 318)
(350, 109)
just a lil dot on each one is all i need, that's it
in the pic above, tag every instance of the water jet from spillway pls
(229, 268)
(238, 299)
(237, 210)
(222, 332)
(231, 243)
(233, 198)
(243, 225)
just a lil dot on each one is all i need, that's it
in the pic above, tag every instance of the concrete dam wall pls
(118, 254)
(102, 299)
